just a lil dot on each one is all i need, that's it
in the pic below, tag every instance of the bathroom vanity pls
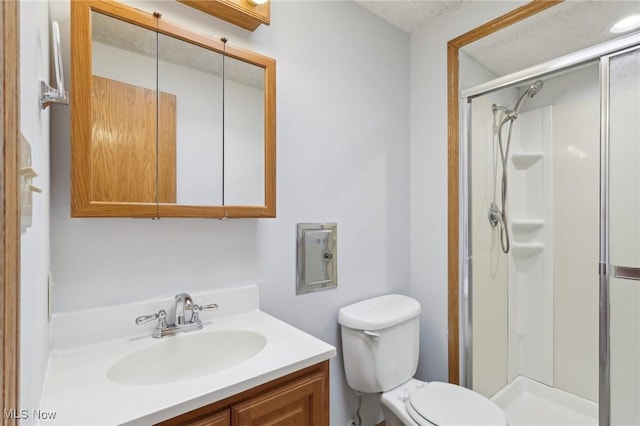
(245, 367)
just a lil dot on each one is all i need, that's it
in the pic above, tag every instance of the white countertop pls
(80, 393)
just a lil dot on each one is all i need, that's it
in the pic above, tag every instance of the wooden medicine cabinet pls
(165, 122)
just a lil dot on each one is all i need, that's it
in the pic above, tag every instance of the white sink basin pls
(186, 356)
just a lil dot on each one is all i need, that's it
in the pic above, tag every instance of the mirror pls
(243, 155)
(123, 108)
(180, 125)
(194, 76)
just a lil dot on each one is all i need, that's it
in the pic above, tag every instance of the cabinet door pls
(299, 403)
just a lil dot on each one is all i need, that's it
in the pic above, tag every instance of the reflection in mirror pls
(244, 128)
(123, 113)
(193, 75)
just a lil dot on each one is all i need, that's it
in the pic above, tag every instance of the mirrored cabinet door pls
(244, 133)
(113, 112)
(192, 76)
(250, 134)
(124, 111)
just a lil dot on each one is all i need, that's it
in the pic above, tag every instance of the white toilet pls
(380, 343)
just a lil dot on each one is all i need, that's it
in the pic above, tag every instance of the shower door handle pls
(625, 272)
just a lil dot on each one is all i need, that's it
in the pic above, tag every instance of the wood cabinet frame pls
(81, 73)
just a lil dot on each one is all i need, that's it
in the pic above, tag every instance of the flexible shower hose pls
(501, 214)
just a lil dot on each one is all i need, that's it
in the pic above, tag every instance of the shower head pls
(531, 92)
(534, 88)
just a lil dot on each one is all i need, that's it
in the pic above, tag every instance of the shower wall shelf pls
(527, 249)
(523, 161)
(527, 225)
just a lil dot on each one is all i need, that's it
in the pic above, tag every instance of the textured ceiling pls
(568, 27)
(410, 15)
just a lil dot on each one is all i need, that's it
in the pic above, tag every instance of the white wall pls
(576, 161)
(35, 246)
(428, 224)
(343, 156)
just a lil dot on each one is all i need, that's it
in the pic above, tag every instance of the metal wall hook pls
(49, 95)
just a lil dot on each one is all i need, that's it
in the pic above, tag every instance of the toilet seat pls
(438, 403)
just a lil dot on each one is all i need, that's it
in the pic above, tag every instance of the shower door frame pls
(596, 54)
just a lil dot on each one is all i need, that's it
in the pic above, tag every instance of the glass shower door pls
(620, 255)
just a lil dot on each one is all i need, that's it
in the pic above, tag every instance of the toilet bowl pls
(380, 341)
(394, 402)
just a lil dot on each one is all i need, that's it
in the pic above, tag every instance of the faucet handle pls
(197, 309)
(160, 316)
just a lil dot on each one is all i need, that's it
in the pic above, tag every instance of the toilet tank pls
(380, 342)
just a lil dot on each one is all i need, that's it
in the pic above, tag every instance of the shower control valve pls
(494, 214)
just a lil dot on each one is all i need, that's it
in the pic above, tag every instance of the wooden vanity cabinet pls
(297, 399)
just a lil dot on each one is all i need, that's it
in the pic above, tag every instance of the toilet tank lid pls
(379, 312)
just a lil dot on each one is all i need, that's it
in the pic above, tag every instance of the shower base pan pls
(530, 403)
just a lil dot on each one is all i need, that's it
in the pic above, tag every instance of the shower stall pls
(551, 239)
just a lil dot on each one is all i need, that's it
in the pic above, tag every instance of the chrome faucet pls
(186, 317)
(183, 303)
